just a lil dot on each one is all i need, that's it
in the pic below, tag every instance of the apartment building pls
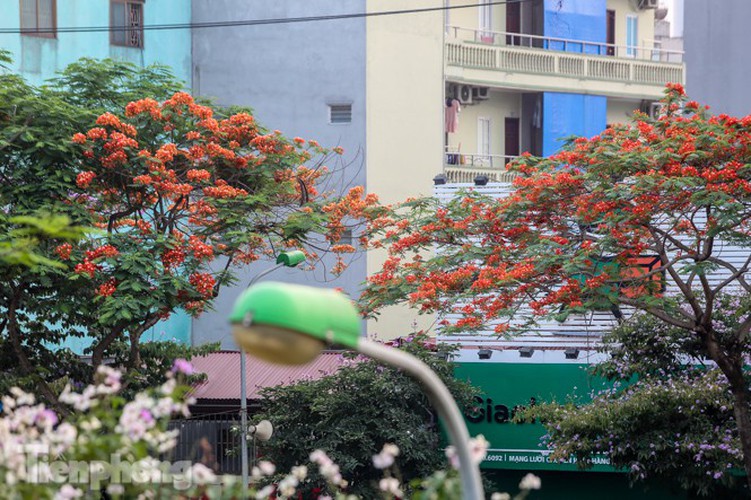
(531, 73)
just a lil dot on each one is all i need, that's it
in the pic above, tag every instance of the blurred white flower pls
(386, 457)
(300, 472)
(68, 492)
(266, 467)
(390, 485)
(200, 474)
(530, 482)
(478, 448)
(265, 492)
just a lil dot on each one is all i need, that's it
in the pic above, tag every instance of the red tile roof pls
(222, 370)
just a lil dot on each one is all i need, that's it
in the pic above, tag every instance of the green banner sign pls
(507, 388)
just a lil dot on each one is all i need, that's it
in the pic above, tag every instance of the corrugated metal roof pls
(222, 370)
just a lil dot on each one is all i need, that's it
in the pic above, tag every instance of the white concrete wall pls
(620, 111)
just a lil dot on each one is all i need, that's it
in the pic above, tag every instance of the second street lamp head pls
(291, 258)
(291, 324)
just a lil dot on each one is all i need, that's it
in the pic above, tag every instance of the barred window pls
(126, 23)
(38, 18)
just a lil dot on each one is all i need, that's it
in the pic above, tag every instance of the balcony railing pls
(505, 38)
(464, 167)
(575, 61)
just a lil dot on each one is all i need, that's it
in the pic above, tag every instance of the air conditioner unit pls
(480, 93)
(647, 4)
(464, 94)
(655, 109)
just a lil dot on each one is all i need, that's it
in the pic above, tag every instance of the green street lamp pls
(291, 324)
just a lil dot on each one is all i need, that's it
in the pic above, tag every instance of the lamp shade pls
(285, 323)
(291, 258)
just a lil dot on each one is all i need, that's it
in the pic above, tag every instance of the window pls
(126, 21)
(483, 137)
(38, 18)
(486, 22)
(340, 113)
(632, 23)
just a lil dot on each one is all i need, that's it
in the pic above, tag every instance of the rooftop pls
(222, 371)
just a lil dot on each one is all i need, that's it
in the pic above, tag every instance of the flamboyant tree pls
(577, 228)
(179, 195)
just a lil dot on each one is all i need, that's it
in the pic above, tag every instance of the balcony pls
(464, 167)
(519, 61)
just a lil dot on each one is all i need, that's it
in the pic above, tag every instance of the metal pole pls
(243, 424)
(444, 403)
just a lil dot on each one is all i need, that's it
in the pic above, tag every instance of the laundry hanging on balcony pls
(452, 115)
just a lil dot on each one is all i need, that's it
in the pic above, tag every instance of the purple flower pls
(146, 416)
(47, 417)
(182, 366)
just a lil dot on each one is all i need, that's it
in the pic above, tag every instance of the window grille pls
(126, 21)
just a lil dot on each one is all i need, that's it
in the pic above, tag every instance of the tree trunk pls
(97, 355)
(134, 360)
(14, 336)
(732, 368)
(743, 421)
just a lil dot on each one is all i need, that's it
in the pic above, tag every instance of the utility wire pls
(250, 22)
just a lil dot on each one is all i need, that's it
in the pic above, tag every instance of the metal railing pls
(649, 52)
(212, 440)
(464, 167)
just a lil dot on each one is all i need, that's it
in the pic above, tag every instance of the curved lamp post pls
(291, 324)
(285, 259)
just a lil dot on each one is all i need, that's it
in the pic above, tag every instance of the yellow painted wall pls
(469, 17)
(646, 24)
(497, 108)
(404, 124)
(620, 111)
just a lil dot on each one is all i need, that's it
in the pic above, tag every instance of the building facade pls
(718, 71)
(47, 44)
(524, 74)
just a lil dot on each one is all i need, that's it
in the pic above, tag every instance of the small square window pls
(38, 18)
(340, 113)
(126, 21)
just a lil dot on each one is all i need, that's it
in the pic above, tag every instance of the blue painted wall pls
(176, 329)
(38, 59)
(565, 115)
(573, 114)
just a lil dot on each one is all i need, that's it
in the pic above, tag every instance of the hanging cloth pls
(452, 116)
